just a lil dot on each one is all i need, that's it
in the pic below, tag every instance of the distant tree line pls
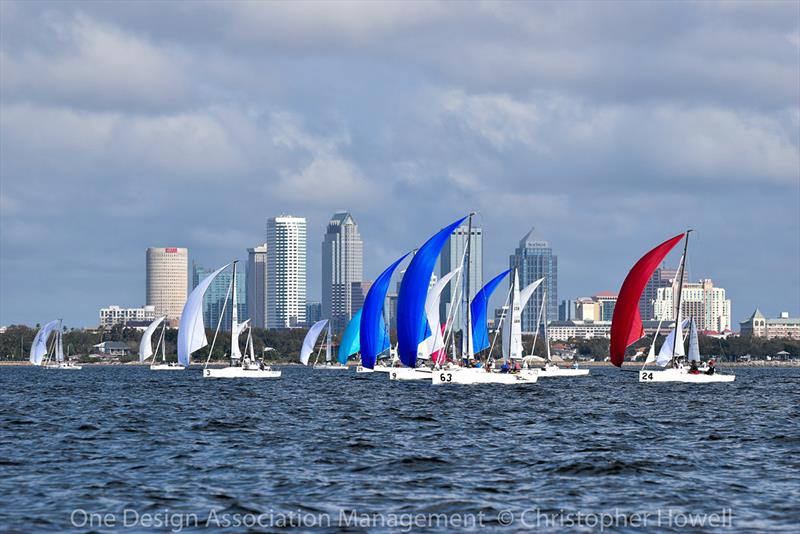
(15, 344)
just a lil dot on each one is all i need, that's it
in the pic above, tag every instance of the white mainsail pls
(39, 345)
(236, 354)
(192, 331)
(435, 341)
(311, 340)
(512, 333)
(146, 344)
(651, 355)
(665, 354)
(328, 346)
(59, 344)
(694, 345)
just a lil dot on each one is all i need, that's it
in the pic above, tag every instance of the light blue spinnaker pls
(351, 339)
(412, 321)
(373, 337)
(479, 308)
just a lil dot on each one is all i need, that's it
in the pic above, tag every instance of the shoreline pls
(627, 365)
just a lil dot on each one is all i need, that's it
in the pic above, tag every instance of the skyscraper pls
(286, 272)
(452, 254)
(662, 277)
(342, 266)
(535, 259)
(257, 285)
(167, 276)
(214, 299)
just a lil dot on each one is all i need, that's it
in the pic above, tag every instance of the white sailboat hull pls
(683, 375)
(551, 371)
(481, 376)
(376, 369)
(407, 373)
(335, 367)
(62, 365)
(166, 367)
(240, 372)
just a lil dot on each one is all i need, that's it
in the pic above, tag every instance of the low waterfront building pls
(757, 325)
(566, 330)
(112, 348)
(114, 315)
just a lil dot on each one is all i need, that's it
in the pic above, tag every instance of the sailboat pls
(310, 341)
(373, 334)
(329, 364)
(41, 356)
(550, 369)
(480, 341)
(146, 347)
(626, 325)
(192, 334)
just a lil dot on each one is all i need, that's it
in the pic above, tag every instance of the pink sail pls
(626, 325)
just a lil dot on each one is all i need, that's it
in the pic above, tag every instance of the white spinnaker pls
(694, 344)
(311, 340)
(435, 341)
(39, 345)
(146, 343)
(192, 331)
(665, 354)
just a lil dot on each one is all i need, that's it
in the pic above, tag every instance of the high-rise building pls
(535, 259)
(662, 277)
(567, 310)
(167, 276)
(313, 312)
(257, 285)
(451, 258)
(286, 272)
(214, 298)
(702, 301)
(342, 266)
(607, 302)
(359, 292)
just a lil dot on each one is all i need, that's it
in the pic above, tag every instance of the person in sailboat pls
(693, 370)
(711, 368)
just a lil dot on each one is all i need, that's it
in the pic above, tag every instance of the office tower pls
(167, 276)
(359, 292)
(313, 312)
(607, 301)
(567, 310)
(451, 257)
(662, 277)
(286, 272)
(535, 259)
(257, 285)
(342, 266)
(214, 298)
(706, 304)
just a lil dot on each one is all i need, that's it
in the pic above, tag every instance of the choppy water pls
(315, 447)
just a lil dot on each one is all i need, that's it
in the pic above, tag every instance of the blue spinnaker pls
(373, 336)
(351, 339)
(479, 308)
(412, 322)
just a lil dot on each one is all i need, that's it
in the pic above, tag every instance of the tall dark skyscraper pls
(535, 259)
(342, 266)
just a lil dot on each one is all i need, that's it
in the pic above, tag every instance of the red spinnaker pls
(626, 325)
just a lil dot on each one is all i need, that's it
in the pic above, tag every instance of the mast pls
(544, 324)
(234, 317)
(680, 292)
(467, 252)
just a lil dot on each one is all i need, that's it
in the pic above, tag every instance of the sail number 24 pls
(645, 376)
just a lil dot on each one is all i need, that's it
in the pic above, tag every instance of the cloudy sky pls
(607, 126)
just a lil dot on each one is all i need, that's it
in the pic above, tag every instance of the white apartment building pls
(116, 315)
(167, 281)
(707, 304)
(566, 330)
(286, 272)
